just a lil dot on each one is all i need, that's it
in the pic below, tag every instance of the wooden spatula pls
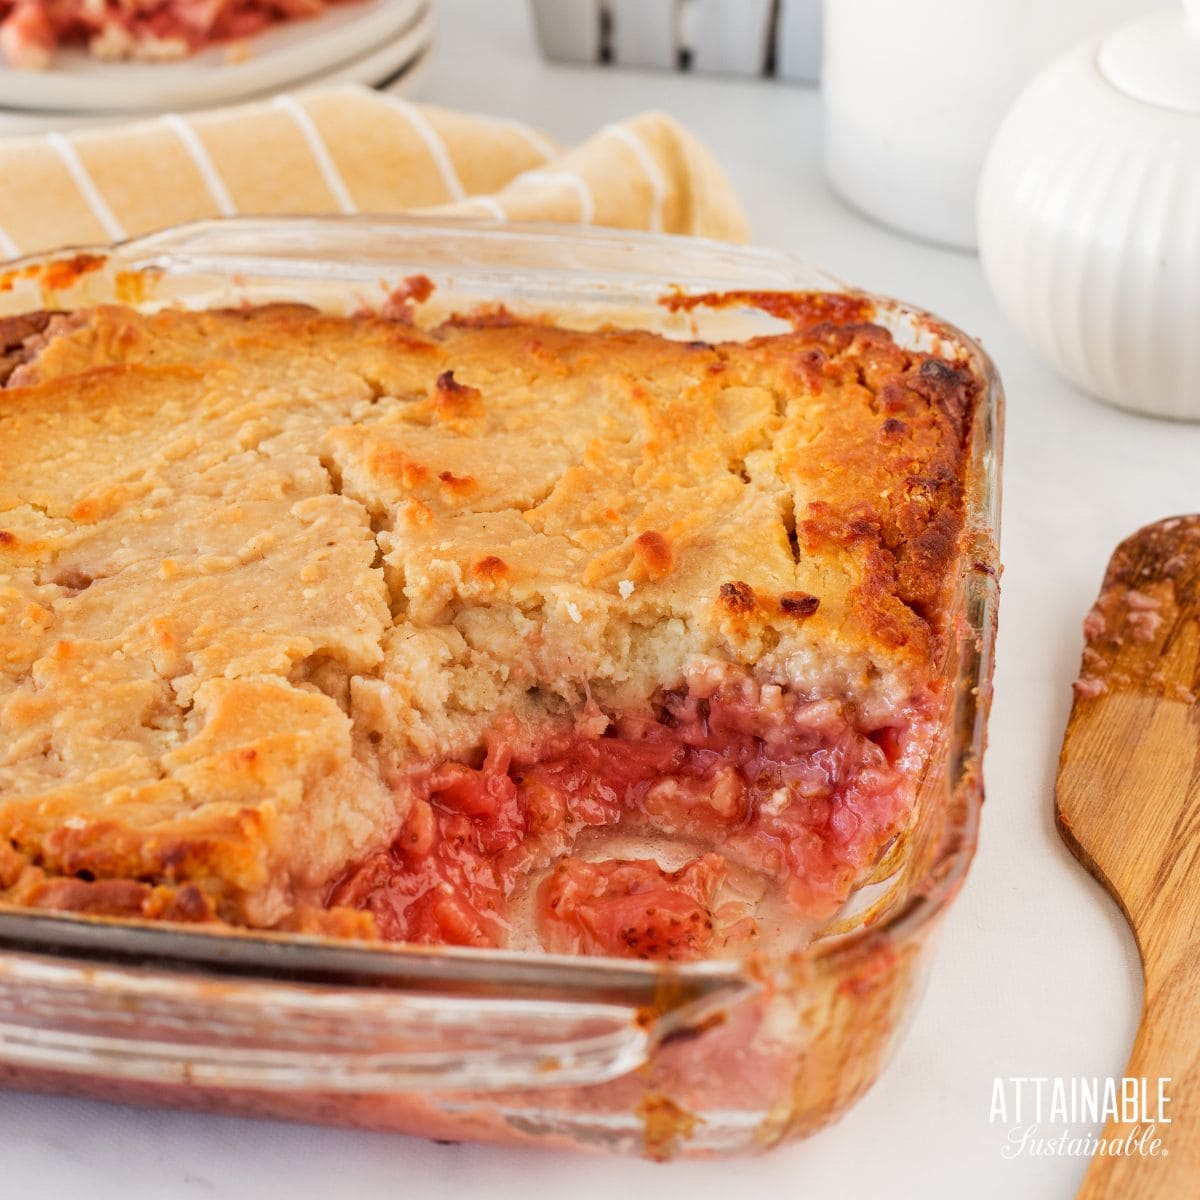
(1128, 806)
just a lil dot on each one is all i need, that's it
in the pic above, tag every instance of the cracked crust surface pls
(256, 564)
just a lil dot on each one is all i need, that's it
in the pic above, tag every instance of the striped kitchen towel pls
(350, 149)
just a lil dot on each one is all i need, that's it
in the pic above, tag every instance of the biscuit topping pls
(298, 629)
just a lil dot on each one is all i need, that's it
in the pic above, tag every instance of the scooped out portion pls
(743, 799)
(488, 632)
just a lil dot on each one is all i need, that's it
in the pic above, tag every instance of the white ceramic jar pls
(914, 89)
(1089, 215)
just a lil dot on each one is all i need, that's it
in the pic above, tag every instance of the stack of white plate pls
(379, 42)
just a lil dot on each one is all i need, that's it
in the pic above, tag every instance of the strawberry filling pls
(631, 907)
(30, 30)
(788, 790)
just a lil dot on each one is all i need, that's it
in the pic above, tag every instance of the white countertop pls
(1036, 974)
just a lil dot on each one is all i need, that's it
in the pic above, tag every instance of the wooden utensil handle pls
(1167, 1047)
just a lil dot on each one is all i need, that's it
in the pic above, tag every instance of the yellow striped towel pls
(350, 149)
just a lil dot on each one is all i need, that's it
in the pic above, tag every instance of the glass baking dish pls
(661, 1059)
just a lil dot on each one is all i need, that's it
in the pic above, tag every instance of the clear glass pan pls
(458, 1044)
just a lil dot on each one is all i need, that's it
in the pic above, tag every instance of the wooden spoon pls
(1128, 806)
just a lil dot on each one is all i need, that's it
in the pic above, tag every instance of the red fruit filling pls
(31, 29)
(791, 791)
(631, 907)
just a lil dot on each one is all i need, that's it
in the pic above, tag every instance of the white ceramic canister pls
(914, 89)
(1089, 215)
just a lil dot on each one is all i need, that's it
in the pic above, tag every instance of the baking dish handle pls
(351, 1020)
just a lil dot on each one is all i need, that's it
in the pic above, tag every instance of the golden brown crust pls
(884, 474)
(255, 564)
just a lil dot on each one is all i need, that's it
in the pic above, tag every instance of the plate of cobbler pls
(485, 681)
(76, 56)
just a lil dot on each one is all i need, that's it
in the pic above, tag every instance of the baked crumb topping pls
(266, 576)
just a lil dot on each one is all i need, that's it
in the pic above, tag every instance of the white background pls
(1036, 974)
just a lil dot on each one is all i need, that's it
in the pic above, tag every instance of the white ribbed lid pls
(1157, 59)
